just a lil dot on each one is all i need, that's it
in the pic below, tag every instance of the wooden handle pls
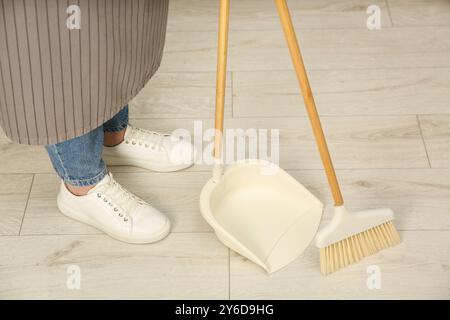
(289, 32)
(222, 53)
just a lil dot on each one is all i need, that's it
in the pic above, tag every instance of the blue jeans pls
(79, 161)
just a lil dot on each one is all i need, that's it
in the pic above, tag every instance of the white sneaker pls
(151, 150)
(115, 211)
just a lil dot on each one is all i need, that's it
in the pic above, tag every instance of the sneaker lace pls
(123, 201)
(147, 138)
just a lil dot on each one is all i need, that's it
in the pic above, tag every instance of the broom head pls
(350, 237)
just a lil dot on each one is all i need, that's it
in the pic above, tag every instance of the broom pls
(349, 237)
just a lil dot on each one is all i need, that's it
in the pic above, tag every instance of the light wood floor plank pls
(415, 195)
(412, 193)
(175, 194)
(17, 158)
(15, 183)
(12, 208)
(179, 95)
(322, 49)
(436, 132)
(418, 268)
(14, 189)
(344, 92)
(355, 142)
(42, 215)
(183, 266)
(262, 14)
(420, 12)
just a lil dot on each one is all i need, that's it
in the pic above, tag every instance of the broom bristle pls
(356, 247)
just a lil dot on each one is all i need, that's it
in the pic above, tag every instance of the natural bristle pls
(358, 246)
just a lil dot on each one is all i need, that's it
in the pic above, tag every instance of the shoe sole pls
(73, 214)
(116, 161)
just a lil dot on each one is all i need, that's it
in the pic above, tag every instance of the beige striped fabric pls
(58, 83)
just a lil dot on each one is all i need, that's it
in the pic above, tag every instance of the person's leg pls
(78, 161)
(89, 148)
(90, 194)
(115, 128)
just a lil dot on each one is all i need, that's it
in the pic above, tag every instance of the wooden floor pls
(385, 100)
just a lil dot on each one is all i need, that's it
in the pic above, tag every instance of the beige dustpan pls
(256, 208)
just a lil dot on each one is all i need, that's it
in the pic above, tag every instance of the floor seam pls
(284, 167)
(423, 140)
(388, 7)
(26, 204)
(108, 237)
(311, 69)
(327, 28)
(268, 117)
(232, 93)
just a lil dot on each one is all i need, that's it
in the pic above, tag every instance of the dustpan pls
(255, 208)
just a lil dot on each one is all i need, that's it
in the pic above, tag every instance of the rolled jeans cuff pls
(86, 182)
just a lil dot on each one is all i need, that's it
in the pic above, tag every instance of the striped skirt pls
(68, 66)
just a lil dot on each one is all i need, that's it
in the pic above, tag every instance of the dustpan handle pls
(221, 78)
(305, 87)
